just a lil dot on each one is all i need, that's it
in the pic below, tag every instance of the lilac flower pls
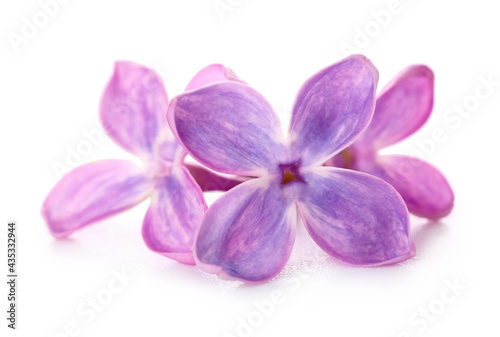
(248, 233)
(402, 107)
(132, 112)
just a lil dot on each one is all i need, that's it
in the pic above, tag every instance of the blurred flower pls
(132, 112)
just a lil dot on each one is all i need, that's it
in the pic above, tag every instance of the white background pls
(49, 92)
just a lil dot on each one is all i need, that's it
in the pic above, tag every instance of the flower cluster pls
(324, 174)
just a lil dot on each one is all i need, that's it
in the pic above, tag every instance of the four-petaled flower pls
(132, 112)
(402, 107)
(248, 233)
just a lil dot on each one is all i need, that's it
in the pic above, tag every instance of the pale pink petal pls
(133, 108)
(93, 192)
(423, 187)
(211, 74)
(402, 107)
(174, 216)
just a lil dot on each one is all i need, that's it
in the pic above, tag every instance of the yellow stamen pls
(287, 177)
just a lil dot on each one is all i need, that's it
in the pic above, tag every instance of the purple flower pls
(402, 107)
(248, 233)
(132, 112)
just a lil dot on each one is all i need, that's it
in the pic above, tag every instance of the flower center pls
(160, 169)
(290, 173)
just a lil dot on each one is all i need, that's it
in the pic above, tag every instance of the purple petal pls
(354, 217)
(248, 233)
(422, 186)
(211, 181)
(169, 148)
(211, 74)
(93, 192)
(133, 108)
(228, 127)
(402, 107)
(174, 216)
(332, 108)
